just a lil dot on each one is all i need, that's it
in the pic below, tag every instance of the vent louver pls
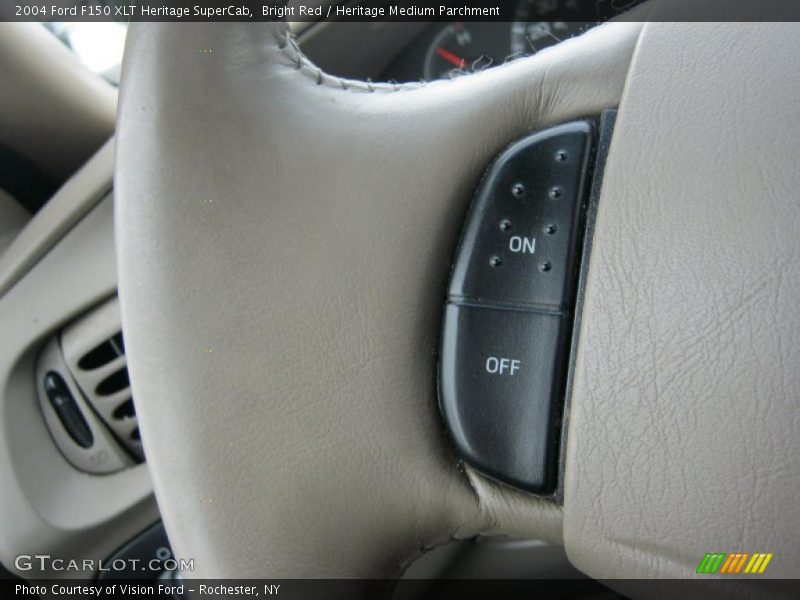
(95, 353)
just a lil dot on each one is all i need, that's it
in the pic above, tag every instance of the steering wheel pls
(285, 239)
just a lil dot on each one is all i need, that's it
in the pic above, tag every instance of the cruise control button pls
(520, 242)
(499, 383)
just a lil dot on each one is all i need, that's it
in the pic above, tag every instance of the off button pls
(499, 381)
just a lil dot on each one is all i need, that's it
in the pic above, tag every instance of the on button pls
(520, 243)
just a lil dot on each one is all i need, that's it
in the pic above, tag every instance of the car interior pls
(392, 303)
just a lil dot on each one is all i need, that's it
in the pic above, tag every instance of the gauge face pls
(532, 31)
(463, 48)
(458, 48)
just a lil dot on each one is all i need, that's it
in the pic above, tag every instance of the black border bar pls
(583, 11)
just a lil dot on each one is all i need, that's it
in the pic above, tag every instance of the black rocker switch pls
(67, 410)
(505, 338)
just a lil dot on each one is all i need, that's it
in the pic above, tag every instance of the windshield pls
(97, 45)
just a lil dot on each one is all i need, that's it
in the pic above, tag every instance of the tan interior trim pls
(78, 195)
(49, 506)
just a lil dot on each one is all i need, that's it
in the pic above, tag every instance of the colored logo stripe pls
(734, 562)
(758, 563)
(711, 562)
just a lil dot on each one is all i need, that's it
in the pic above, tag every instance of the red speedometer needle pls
(451, 57)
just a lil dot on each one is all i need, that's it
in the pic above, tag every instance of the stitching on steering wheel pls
(288, 46)
(286, 43)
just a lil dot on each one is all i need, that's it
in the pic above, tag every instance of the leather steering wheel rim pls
(284, 241)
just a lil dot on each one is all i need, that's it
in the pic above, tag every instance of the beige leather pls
(284, 242)
(685, 434)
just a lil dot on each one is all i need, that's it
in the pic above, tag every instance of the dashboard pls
(450, 49)
(412, 51)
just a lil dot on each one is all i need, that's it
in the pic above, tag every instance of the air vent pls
(94, 350)
(114, 383)
(104, 353)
